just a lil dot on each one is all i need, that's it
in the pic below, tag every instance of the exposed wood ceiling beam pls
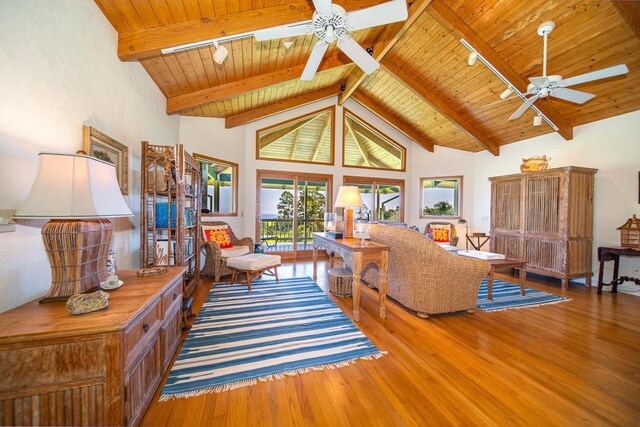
(274, 136)
(459, 29)
(630, 11)
(398, 123)
(383, 44)
(180, 103)
(426, 93)
(280, 106)
(139, 44)
(323, 133)
(359, 144)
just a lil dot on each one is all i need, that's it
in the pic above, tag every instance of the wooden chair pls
(215, 260)
(453, 236)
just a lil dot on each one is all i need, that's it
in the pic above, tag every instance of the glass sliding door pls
(290, 207)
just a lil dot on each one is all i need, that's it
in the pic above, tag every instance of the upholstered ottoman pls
(253, 265)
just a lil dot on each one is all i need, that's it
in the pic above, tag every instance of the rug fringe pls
(279, 376)
(527, 306)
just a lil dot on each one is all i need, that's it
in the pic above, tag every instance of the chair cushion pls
(441, 233)
(234, 251)
(219, 234)
(253, 261)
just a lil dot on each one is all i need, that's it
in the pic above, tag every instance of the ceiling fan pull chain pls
(544, 59)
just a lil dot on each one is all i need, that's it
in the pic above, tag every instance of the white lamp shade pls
(348, 197)
(74, 186)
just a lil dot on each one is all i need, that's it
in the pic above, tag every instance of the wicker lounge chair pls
(424, 277)
(215, 263)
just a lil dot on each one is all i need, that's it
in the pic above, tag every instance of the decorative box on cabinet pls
(99, 368)
(545, 218)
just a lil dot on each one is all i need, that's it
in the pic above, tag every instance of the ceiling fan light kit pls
(331, 23)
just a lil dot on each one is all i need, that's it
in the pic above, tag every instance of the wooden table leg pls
(490, 284)
(600, 275)
(357, 271)
(384, 267)
(523, 275)
(616, 265)
(315, 263)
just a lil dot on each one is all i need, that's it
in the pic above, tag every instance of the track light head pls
(288, 42)
(473, 57)
(537, 120)
(221, 53)
(508, 91)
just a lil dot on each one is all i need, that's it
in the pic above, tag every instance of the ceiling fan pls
(331, 22)
(556, 86)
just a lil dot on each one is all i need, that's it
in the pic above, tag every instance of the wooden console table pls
(348, 249)
(614, 254)
(99, 368)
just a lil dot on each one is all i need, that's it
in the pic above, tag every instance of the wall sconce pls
(473, 57)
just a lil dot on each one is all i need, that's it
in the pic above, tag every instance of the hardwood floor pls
(575, 363)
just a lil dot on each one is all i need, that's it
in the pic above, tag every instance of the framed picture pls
(97, 144)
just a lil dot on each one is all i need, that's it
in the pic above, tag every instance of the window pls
(220, 186)
(305, 139)
(441, 197)
(383, 199)
(366, 147)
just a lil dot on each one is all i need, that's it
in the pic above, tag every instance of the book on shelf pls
(161, 251)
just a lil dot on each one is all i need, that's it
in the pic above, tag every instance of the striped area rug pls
(507, 296)
(277, 329)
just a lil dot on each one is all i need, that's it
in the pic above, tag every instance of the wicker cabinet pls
(100, 368)
(545, 218)
(170, 211)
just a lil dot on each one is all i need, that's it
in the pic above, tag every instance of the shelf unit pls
(170, 211)
(546, 219)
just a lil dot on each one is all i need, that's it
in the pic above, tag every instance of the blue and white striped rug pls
(277, 329)
(507, 296)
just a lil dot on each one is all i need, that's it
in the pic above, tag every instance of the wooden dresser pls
(99, 368)
(546, 219)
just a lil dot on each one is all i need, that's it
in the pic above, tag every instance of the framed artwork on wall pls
(97, 144)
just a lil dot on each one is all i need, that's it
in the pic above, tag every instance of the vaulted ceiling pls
(424, 87)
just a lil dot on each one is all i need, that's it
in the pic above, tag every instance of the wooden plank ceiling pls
(424, 87)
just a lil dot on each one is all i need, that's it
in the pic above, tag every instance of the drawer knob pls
(145, 327)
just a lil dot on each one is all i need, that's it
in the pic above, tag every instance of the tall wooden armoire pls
(545, 218)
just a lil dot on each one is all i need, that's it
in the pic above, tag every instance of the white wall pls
(60, 71)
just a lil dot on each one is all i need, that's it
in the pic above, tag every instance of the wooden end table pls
(614, 254)
(497, 264)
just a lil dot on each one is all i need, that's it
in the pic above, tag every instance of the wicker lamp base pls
(77, 251)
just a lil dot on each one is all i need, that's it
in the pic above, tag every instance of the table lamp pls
(348, 198)
(75, 192)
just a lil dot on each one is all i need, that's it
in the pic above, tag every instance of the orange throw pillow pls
(218, 234)
(440, 234)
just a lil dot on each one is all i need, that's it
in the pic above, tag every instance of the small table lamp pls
(75, 192)
(348, 198)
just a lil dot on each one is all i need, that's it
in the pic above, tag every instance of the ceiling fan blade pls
(525, 105)
(616, 70)
(381, 14)
(360, 56)
(323, 7)
(314, 60)
(539, 81)
(299, 29)
(572, 95)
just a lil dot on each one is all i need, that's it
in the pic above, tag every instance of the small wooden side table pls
(497, 264)
(481, 240)
(614, 254)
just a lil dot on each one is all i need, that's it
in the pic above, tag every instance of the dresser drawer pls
(170, 296)
(142, 328)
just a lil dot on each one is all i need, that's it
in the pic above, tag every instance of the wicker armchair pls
(424, 277)
(215, 264)
(453, 236)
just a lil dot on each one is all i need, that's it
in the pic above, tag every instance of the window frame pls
(350, 179)
(374, 130)
(332, 162)
(460, 192)
(235, 183)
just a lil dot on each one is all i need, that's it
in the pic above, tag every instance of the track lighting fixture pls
(221, 53)
(473, 57)
(508, 91)
(537, 120)
(288, 42)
